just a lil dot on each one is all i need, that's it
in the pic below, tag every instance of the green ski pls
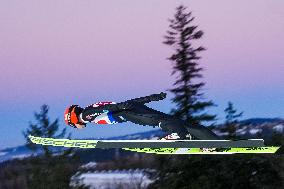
(246, 150)
(165, 146)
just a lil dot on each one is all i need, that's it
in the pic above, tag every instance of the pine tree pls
(231, 114)
(55, 167)
(43, 128)
(175, 171)
(187, 90)
(231, 120)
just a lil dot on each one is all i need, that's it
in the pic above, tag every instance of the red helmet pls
(71, 115)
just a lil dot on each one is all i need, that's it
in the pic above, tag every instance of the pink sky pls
(65, 52)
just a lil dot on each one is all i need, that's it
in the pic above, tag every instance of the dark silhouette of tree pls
(231, 114)
(43, 128)
(188, 97)
(231, 121)
(219, 172)
(55, 167)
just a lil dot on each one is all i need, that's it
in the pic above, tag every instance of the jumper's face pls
(78, 126)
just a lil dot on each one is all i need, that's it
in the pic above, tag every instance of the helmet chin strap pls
(81, 119)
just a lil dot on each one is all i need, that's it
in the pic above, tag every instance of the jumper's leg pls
(143, 115)
(202, 133)
(174, 126)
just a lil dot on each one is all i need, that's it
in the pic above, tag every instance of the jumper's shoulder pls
(102, 104)
(100, 107)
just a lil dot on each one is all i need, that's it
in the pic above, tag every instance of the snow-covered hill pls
(16, 152)
(132, 178)
(255, 127)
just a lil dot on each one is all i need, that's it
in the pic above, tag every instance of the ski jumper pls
(137, 112)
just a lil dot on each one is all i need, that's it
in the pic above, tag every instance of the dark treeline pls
(38, 172)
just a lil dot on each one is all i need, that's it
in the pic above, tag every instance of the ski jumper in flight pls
(137, 112)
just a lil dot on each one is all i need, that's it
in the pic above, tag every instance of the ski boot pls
(175, 136)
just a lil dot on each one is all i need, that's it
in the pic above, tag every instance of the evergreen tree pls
(231, 114)
(56, 166)
(182, 35)
(43, 128)
(188, 97)
(231, 120)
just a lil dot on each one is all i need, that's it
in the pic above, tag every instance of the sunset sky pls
(80, 52)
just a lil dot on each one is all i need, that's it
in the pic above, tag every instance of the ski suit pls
(137, 112)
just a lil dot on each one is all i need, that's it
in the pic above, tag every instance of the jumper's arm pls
(147, 99)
